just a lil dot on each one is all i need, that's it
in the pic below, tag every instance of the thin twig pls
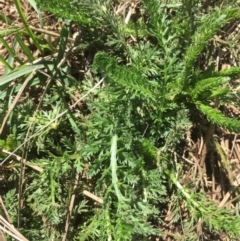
(184, 158)
(2, 236)
(233, 145)
(9, 233)
(229, 193)
(5, 210)
(92, 196)
(18, 158)
(11, 228)
(41, 30)
(70, 208)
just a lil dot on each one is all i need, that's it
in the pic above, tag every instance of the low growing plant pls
(121, 143)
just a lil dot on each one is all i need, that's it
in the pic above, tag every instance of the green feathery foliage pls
(205, 88)
(119, 144)
(216, 117)
(136, 83)
(209, 26)
(9, 144)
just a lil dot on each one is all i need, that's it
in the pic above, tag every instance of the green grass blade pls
(7, 47)
(25, 49)
(20, 72)
(24, 20)
(11, 51)
(63, 42)
(5, 19)
(34, 5)
(5, 32)
(11, 59)
(5, 63)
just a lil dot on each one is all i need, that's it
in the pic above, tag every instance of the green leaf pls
(21, 71)
(216, 117)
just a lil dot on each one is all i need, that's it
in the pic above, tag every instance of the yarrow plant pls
(123, 142)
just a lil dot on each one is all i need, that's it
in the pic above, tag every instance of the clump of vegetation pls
(104, 149)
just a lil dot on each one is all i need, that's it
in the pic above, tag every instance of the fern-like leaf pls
(233, 72)
(127, 77)
(211, 24)
(216, 117)
(208, 85)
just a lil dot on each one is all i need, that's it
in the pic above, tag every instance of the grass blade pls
(16, 99)
(24, 20)
(62, 43)
(25, 49)
(22, 71)
(5, 63)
